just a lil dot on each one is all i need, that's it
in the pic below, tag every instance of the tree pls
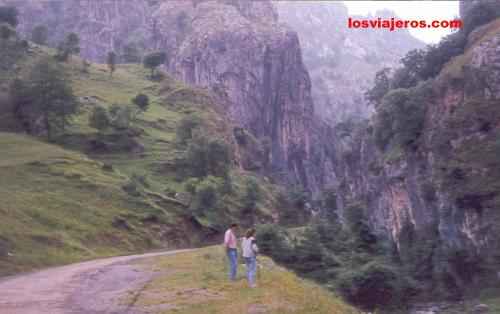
(131, 53)
(6, 31)
(40, 35)
(252, 194)
(69, 46)
(208, 157)
(111, 61)
(401, 115)
(187, 125)
(120, 116)
(48, 94)
(9, 15)
(206, 195)
(99, 119)
(142, 102)
(154, 60)
(380, 87)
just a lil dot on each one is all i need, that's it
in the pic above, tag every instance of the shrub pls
(208, 157)
(131, 53)
(272, 241)
(252, 194)
(372, 286)
(358, 225)
(141, 101)
(99, 118)
(69, 46)
(206, 197)
(121, 116)
(132, 188)
(400, 118)
(186, 127)
(6, 31)
(40, 35)
(154, 60)
(9, 15)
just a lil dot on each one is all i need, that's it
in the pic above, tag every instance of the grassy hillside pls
(60, 206)
(196, 282)
(67, 201)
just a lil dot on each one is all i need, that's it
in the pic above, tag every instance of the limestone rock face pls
(102, 26)
(444, 190)
(342, 62)
(253, 61)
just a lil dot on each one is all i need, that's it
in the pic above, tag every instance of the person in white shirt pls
(230, 243)
(250, 251)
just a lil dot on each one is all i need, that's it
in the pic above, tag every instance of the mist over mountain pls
(342, 62)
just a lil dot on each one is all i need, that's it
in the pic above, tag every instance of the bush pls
(252, 194)
(99, 118)
(357, 223)
(141, 101)
(131, 53)
(154, 60)
(132, 188)
(9, 15)
(272, 241)
(121, 116)
(40, 35)
(6, 31)
(69, 46)
(208, 157)
(206, 195)
(373, 286)
(400, 118)
(186, 127)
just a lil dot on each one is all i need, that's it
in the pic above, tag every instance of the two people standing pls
(249, 250)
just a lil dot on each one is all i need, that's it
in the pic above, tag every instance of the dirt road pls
(92, 287)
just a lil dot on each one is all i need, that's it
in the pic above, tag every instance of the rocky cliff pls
(236, 49)
(342, 62)
(439, 198)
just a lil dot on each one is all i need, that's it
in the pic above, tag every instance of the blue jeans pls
(251, 263)
(232, 256)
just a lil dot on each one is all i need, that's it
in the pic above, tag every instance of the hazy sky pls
(427, 10)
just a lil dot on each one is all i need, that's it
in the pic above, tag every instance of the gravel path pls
(92, 287)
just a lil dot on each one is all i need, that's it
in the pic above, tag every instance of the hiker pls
(250, 251)
(230, 243)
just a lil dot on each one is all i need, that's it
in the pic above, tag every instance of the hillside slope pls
(98, 193)
(196, 282)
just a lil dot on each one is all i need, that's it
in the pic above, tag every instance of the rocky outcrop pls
(342, 62)
(102, 26)
(255, 63)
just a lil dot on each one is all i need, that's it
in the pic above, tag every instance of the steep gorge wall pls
(236, 49)
(445, 189)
